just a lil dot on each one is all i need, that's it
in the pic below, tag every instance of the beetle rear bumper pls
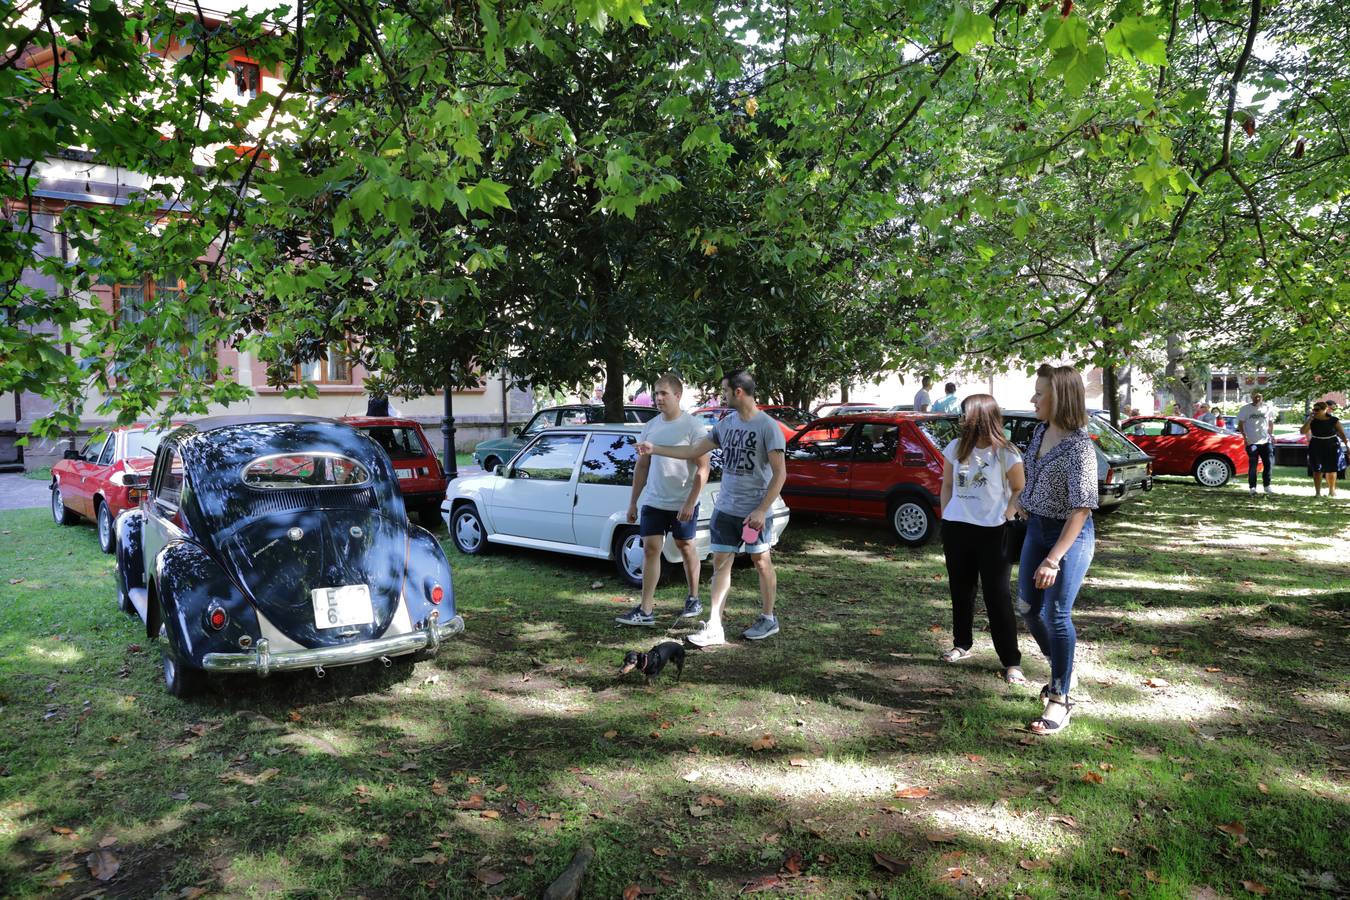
(262, 662)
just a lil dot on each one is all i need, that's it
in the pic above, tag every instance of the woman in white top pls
(980, 482)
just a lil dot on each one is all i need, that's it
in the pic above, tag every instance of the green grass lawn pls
(840, 758)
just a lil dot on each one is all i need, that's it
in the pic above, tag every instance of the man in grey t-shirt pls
(753, 472)
(1256, 421)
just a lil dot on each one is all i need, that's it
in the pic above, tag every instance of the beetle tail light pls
(216, 617)
(1110, 476)
(437, 593)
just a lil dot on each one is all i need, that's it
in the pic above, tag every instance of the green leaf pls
(487, 195)
(967, 29)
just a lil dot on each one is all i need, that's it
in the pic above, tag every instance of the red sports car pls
(107, 476)
(789, 418)
(420, 475)
(1182, 446)
(874, 465)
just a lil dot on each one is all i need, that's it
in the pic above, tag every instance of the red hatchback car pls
(107, 476)
(1182, 446)
(872, 465)
(419, 471)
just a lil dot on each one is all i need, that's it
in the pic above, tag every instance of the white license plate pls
(338, 606)
(405, 473)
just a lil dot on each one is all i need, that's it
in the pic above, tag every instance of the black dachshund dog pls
(654, 660)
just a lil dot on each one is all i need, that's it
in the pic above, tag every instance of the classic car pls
(419, 471)
(568, 492)
(1181, 446)
(789, 418)
(492, 453)
(1289, 449)
(105, 477)
(838, 409)
(273, 543)
(877, 465)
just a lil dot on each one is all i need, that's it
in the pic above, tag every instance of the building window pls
(331, 368)
(131, 301)
(247, 77)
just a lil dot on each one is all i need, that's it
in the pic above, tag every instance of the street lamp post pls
(448, 429)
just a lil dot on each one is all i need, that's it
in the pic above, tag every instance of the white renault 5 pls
(567, 491)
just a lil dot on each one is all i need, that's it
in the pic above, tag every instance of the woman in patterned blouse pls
(1060, 494)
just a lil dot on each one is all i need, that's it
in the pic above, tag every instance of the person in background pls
(1207, 414)
(1058, 500)
(1255, 421)
(1326, 444)
(1345, 451)
(948, 403)
(981, 478)
(922, 399)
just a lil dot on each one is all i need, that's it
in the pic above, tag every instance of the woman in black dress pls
(1325, 439)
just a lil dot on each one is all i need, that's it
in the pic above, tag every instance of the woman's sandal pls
(1013, 675)
(956, 654)
(1043, 726)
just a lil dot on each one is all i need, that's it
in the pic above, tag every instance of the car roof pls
(214, 422)
(369, 421)
(633, 427)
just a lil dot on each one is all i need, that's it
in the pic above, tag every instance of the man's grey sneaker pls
(707, 636)
(1253, 490)
(1268, 490)
(765, 626)
(636, 616)
(692, 607)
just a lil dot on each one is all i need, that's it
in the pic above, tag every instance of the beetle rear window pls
(305, 470)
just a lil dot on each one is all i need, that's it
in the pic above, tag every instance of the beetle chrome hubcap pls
(104, 525)
(57, 507)
(910, 520)
(467, 532)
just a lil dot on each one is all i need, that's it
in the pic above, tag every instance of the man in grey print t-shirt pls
(1255, 421)
(753, 472)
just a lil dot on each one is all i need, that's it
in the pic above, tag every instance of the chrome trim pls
(326, 454)
(263, 662)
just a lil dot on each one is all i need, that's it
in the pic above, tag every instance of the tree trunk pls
(843, 392)
(1178, 376)
(614, 398)
(1111, 393)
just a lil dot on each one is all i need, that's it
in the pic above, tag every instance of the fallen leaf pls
(611, 734)
(763, 742)
(597, 585)
(798, 761)
(1188, 777)
(793, 862)
(1092, 778)
(61, 829)
(474, 802)
(294, 716)
(762, 883)
(491, 814)
(955, 873)
(975, 757)
(710, 800)
(1066, 821)
(489, 877)
(693, 776)
(660, 851)
(876, 632)
(1034, 865)
(913, 793)
(527, 808)
(1236, 829)
(1256, 887)
(1261, 786)
(103, 864)
(699, 812)
(438, 788)
(1157, 682)
(632, 892)
(1120, 851)
(108, 841)
(891, 864)
(935, 628)
(941, 837)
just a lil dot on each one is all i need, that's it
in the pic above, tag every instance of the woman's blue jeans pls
(1048, 611)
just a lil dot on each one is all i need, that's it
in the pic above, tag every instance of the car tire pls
(1212, 471)
(628, 556)
(103, 522)
(1111, 509)
(182, 681)
(912, 521)
(60, 512)
(467, 531)
(490, 463)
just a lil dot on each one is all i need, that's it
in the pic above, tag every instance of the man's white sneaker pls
(708, 636)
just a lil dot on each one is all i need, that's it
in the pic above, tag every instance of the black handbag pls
(1014, 534)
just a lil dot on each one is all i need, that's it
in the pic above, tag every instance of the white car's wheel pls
(629, 557)
(1213, 471)
(467, 531)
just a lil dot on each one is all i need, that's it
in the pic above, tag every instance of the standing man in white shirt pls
(1256, 421)
(665, 499)
(922, 399)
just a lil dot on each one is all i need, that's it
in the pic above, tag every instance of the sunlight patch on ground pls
(1186, 702)
(1276, 632)
(1132, 581)
(65, 654)
(1326, 701)
(818, 778)
(999, 822)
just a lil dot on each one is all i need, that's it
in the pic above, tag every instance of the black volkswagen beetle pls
(267, 543)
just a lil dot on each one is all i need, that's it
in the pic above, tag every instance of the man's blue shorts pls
(653, 521)
(725, 534)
